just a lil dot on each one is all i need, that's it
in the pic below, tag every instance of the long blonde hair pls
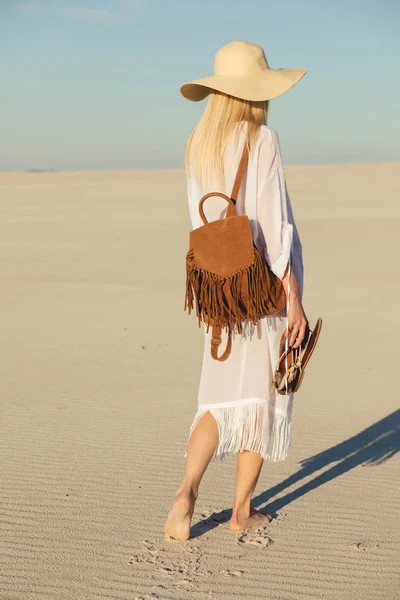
(204, 154)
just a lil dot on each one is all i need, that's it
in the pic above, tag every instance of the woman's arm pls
(298, 323)
(282, 242)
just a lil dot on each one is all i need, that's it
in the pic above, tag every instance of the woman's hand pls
(298, 324)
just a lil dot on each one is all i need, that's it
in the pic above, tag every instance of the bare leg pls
(202, 443)
(248, 470)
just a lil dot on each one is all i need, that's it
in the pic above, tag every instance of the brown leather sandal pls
(289, 372)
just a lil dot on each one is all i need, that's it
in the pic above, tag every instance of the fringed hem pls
(251, 427)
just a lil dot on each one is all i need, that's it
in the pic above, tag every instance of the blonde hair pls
(204, 154)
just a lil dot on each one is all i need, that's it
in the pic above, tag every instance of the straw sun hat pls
(241, 70)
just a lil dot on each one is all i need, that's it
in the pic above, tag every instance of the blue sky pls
(93, 84)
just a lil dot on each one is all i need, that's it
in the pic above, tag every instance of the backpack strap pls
(240, 172)
(216, 331)
(216, 341)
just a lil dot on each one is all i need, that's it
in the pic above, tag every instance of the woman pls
(237, 411)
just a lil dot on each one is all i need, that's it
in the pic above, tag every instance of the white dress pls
(237, 391)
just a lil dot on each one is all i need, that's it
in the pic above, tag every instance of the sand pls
(99, 369)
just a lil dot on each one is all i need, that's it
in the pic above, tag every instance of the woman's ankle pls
(190, 491)
(241, 510)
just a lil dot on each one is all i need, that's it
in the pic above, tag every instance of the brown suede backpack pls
(226, 275)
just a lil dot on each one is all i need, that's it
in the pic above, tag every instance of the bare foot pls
(179, 519)
(255, 519)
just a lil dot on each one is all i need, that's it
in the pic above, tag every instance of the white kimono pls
(237, 391)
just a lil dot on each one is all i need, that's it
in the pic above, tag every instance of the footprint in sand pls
(151, 554)
(179, 566)
(255, 537)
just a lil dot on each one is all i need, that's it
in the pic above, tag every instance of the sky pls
(94, 84)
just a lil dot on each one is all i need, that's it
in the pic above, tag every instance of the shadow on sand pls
(371, 447)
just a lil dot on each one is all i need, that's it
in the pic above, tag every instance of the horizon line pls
(102, 169)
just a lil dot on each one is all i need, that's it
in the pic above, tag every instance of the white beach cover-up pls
(237, 391)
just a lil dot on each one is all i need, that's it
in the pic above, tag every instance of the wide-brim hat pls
(241, 70)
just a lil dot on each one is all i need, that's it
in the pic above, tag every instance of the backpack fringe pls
(228, 301)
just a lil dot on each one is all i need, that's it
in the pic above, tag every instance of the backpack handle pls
(231, 208)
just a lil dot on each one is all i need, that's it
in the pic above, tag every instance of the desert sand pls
(99, 368)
